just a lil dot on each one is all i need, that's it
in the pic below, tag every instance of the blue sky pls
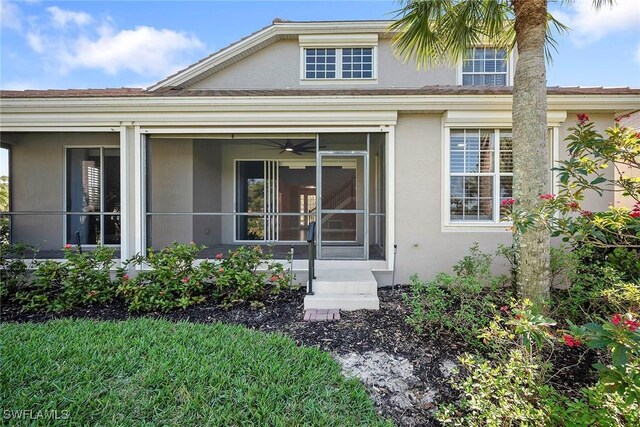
(79, 44)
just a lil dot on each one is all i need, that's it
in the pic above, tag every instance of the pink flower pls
(274, 278)
(586, 214)
(518, 316)
(125, 277)
(635, 214)
(547, 196)
(583, 118)
(221, 270)
(632, 325)
(571, 341)
(67, 246)
(186, 279)
(504, 308)
(616, 319)
(218, 256)
(508, 202)
(574, 206)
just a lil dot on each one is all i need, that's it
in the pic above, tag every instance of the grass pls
(154, 372)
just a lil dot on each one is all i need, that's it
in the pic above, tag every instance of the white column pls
(125, 188)
(139, 222)
(390, 150)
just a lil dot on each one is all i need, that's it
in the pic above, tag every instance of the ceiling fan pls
(290, 146)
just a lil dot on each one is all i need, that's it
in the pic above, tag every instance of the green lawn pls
(154, 372)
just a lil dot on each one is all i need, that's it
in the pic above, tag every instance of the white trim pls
(390, 182)
(338, 79)
(555, 157)
(124, 195)
(447, 224)
(474, 118)
(139, 197)
(264, 130)
(338, 40)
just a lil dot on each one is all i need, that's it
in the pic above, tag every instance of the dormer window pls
(339, 63)
(338, 58)
(485, 66)
(320, 63)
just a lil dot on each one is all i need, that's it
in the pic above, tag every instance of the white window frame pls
(510, 68)
(338, 42)
(486, 226)
(495, 174)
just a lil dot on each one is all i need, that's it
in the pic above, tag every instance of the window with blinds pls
(480, 173)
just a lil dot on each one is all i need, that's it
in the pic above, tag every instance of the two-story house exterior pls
(299, 122)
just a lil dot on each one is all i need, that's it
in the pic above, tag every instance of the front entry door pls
(342, 181)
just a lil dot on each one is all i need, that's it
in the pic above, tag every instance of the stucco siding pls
(423, 247)
(278, 67)
(171, 190)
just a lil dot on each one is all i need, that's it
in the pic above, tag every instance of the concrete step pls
(353, 288)
(344, 302)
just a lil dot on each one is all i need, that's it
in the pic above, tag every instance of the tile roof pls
(426, 90)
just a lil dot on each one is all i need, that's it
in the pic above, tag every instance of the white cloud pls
(10, 17)
(35, 41)
(61, 18)
(66, 42)
(589, 25)
(146, 51)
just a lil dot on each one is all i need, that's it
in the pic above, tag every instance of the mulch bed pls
(356, 332)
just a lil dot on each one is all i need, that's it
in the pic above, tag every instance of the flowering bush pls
(621, 338)
(237, 278)
(85, 278)
(172, 281)
(176, 280)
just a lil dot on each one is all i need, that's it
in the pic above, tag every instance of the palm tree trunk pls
(531, 167)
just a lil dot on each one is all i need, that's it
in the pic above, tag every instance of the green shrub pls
(172, 279)
(237, 278)
(85, 278)
(509, 393)
(599, 284)
(14, 273)
(594, 407)
(461, 304)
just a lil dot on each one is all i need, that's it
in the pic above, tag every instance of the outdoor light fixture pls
(288, 147)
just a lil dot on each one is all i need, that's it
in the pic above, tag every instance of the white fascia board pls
(70, 112)
(264, 36)
(482, 118)
(591, 103)
(338, 40)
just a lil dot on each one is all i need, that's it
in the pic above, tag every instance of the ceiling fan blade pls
(283, 151)
(297, 152)
(304, 144)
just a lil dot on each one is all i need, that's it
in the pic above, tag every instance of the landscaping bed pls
(406, 374)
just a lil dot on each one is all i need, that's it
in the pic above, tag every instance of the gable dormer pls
(330, 55)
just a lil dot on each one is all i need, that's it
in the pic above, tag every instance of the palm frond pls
(553, 25)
